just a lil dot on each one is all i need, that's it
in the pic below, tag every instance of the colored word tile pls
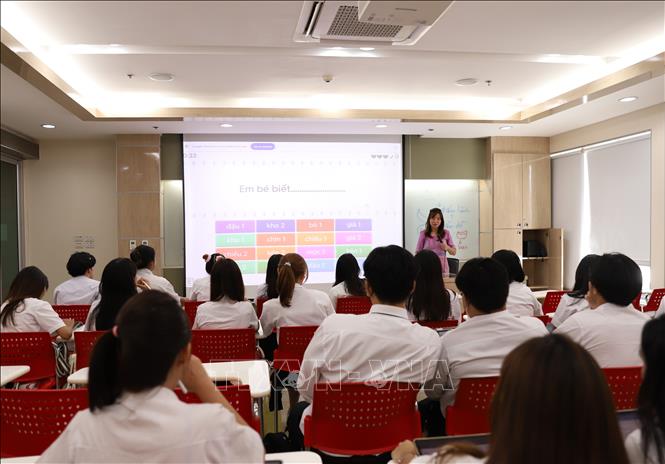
(316, 252)
(275, 239)
(356, 250)
(321, 265)
(235, 240)
(230, 227)
(345, 238)
(261, 267)
(315, 238)
(353, 224)
(238, 254)
(247, 267)
(276, 226)
(306, 225)
(267, 252)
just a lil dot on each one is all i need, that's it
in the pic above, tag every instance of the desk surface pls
(254, 373)
(9, 373)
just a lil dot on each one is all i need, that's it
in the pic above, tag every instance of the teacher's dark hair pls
(226, 281)
(581, 287)
(348, 271)
(617, 278)
(30, 282)
(142, 256)
(428, 228)
(510, 260)
(429, 301)
(151, 330)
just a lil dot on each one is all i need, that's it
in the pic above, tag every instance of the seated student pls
(521, 300)
(268, 290)
(227, 308)
(117, 286)
(81, 289)
(201, 287)
(24, 311)
(380, 345)
(134, 414)
(565, 399)
(144, 258)
(431, 300)
(575, 301)
(647, 444)
(611, 329)
(478, 346)
(347, 280)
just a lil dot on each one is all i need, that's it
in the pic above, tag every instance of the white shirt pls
(521, 300)
(611, 334)
(308, 307)
(634, 449)
(201, 289)
(157, 282)
(226, 314)
(568, 306)
(455, 307)
(477, 347)
(380, 345)
(33, 315)
(338, 291)
(262, 291)
(155, 426)
(80, 290)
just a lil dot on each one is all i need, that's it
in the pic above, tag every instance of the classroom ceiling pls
(237, 62)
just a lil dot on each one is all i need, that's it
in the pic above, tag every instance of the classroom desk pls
(10, 373)
(296, 457)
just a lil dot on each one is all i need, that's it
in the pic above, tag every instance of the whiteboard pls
(457, 198)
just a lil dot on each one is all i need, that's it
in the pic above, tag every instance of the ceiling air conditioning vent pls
(389, 22)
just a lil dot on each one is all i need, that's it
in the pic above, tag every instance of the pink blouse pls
(430, 243)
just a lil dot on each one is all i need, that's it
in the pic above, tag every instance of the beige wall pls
(652, 118)
(69, 191)
(434, 158)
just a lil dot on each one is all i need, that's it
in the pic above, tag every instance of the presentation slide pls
(251, 199)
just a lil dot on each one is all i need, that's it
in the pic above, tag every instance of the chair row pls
(552, 301)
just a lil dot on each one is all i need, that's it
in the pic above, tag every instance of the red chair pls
(32, 349)
(470, 412)
(77, 312)
(552, 301)
(624, 383)
(259, 306)
(190, 309)
(32, 419)
(450, 324)
(237, 395)
(544, 319)
(84, 343)
(353, 305)
(293, 342)
(224, 344)
(362, 419)
(654, 300)
(636, 302)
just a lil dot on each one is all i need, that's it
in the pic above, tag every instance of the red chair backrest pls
(361, 419)
(293, 342)
(624, 383)
(552, 301)
(438, 324)
(32, 419)
(190, 309)
(544, 319)
(77, 312)
(655, 299)
(85, 342)
(224, 344)
(636, 302)
(259, 306)
(353, 305)
(237, 395)
(32, 349)
(470, 412)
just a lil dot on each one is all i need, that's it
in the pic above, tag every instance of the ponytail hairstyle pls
(118, 284)
(142, 256)
(226, 281)
(79, 263)
(347, 271)
(292, 267)
(271, 276)
(211, 260)
(428, 228)
(429, 301)
(30, 282)
(138, 353)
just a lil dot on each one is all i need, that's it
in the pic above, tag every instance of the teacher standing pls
(437, 238)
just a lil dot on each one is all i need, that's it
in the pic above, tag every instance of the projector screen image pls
(251, 199)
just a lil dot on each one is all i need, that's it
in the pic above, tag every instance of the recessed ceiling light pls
(505, 127)
(161, 77)
(627, 99)
(48, 126)
(381, 126)
(466, 81)
(367, 49)
(226, 125)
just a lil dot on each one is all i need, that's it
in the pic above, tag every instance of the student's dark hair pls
(142, 256)
(429, 301)
(226, 281)
(211, 260)
(484, 284)
(117, 285)
(511, 262)
(271, 276)
(79, 263)
(390, 271)
(651, 400)
(617, 278)
(581, 286)
(30, 282)
(348, 271)
(428, 228)
(291, 267)
(553, 385)
(151, 330)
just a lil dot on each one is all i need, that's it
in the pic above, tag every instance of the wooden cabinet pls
(508, 185)
(536, 192)
(508, 239)
(545, 273)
